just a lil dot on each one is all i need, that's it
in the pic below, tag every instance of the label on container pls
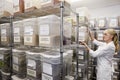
(113, 23)
(81, 52)
(1, 57)
(16, 31)
(15, 59)
(31, 72)
(47, 68)
(46, 77)
(28, 30)
(82, 36)
(101, 23)
(44, 40)
(17, 39)
(31, 63)
(81, 57)
(3, 32)
(44, 30)
(15, 67)
(28, 39)
(3, 38)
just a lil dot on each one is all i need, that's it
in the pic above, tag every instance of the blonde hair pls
(115, 38)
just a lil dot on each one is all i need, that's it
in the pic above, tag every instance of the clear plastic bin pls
(19, 61)
(18, 32)
(51, 62)
(34, 64)
(5, 59)
(5, 34)
(49, 31)
(30, 32)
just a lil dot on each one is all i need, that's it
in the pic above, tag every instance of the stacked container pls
(6, 10)
(30, 32)
(51, 65)
(100, 35)
(18, 32)
(34, 64)
(113, 22)
(5, 34)
(5, 63)
(19, 62)
(101, 22)
(49, 31)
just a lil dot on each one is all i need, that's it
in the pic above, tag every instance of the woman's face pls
(107, 37)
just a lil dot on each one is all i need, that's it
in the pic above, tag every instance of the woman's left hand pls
(83, 43)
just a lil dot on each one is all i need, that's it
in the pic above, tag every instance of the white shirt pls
(104, 55)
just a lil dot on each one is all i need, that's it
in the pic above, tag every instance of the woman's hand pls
(83, 43)
(90, 34)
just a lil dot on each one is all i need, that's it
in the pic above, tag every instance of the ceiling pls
(94, 4)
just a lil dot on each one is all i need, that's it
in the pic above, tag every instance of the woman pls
(104, 53)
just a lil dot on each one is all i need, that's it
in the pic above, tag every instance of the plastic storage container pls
(32, 4)
(51, 64)
(34, 64)
(49, 31)
(83, 35)
(6, 10)
(19, 62)
(5, 34)
(113, 22)
(18, 32)
(5, 59)
(101, 22)
(30, 32)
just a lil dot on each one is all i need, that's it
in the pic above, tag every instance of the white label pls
(31, 72)
(1, 57)
(44, 40)
(113, 23)
(79, 70)
(28, 39)
(3, 38)
(3, 32)
(28, 30)
(46, 77)
(15, 59)
(31, 63)
(101, 23)
(82, 36)
(17, 39)
(15, 67)
(44, 30)
(47, 68)
(16, 31)
(81, 52)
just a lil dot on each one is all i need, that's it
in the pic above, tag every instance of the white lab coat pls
(104, 55)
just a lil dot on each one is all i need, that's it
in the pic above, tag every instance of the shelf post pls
(77, 46)
(61, 37)
(11, 43)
